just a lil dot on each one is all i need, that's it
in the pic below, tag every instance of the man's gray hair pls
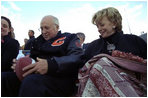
(81, 35)
(55, 20)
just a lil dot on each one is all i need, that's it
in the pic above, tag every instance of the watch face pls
(111, 47)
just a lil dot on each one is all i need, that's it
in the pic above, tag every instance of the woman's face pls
(105, 27)
(4, 27)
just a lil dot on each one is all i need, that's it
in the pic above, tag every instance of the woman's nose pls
(99, 29)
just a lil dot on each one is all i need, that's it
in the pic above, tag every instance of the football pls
(20, 64)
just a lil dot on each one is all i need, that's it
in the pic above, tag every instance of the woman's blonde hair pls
(112, 15)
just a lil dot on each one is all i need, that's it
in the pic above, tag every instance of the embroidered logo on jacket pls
(58, 42)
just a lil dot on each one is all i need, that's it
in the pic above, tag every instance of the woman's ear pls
(114, 25)
(9, 30)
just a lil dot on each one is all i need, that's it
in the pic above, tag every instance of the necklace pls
(110, 47)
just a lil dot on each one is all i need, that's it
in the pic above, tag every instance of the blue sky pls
(74, 16)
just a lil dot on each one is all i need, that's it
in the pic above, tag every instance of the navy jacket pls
(85, 45)
(62, 53)
(123, 42)
(9, 51)
(28, 45)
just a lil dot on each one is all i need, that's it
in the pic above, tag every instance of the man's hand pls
(41, 67)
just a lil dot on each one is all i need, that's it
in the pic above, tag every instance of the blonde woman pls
(109, 24)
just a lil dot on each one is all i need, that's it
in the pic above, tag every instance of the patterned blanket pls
(107, 76)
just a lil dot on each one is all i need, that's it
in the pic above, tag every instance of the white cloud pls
(13, 6)
(79, 20)
(135, 8)
(4, 10)
(17, 23)
(76, 20)
(133, 15)
(131, 19)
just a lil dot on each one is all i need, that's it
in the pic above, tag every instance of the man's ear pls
(57, 26)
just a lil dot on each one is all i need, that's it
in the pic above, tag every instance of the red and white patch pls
(58, 42)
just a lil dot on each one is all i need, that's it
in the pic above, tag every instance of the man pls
(144, 36)
(81, 36)
(23, 46)
(55, 71)
(28, 45)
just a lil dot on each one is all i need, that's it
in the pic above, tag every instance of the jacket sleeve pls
(68, 64)
(142, 46)
(11, 52)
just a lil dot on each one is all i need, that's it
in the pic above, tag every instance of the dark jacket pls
(123, 42)
(9, 51)
(85, 45)
(28, 45)
(62, 53)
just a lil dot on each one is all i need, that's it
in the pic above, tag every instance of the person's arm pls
(67, 65)
(142, 45)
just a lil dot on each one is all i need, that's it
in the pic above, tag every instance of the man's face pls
(25, 40)
(30, 33)
(81, 40)
(48, 28)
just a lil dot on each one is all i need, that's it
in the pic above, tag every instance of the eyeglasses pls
(46, 28)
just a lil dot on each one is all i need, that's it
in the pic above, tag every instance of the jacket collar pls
(5, 39)
(31, 37)
(113, 38)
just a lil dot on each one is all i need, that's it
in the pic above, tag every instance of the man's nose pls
(43, 31)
